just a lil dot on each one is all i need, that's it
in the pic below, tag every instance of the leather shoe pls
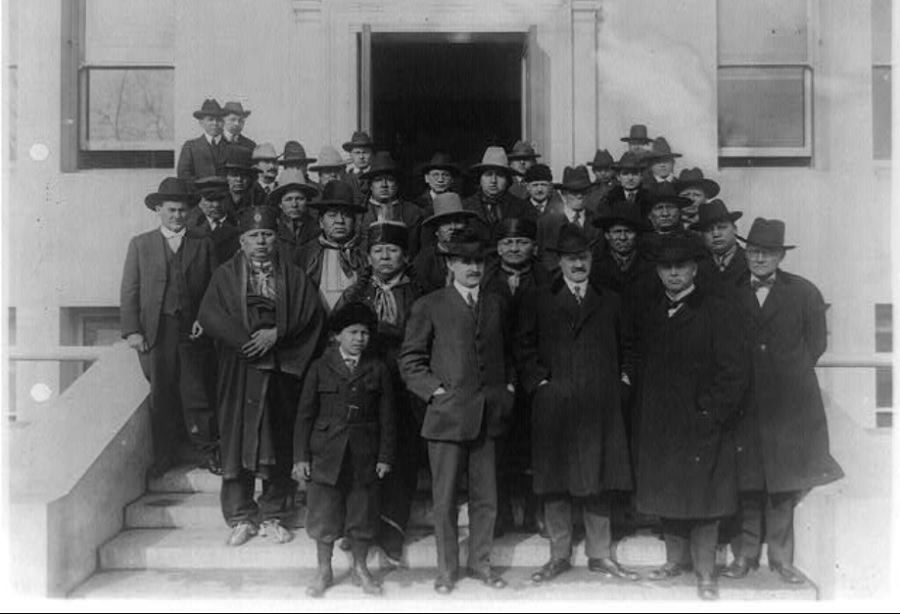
(323, 579)
(241, 533)
(611, 569)
(707, 588)
(277, 531)
(550, 570)
(669, 570)
(788, 573)
(361, 576)
(443, 586)
(490, 578)
(740, 567)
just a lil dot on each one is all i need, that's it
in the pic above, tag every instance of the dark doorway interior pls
(445, 95)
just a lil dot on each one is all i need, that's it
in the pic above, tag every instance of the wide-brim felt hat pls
(235, 108)
(574, 179)
(294, 153)
(264, 151)
(625, 213)
(213, 187)
(570, 240)
(767, 234)
(291, 181)
(495, 159)
(329, 157)
(440, 162)
(350, 314)
(382, 164)
(630, 160)
(602, 159)
(714, 211)
(390, 232)
(170, 189)
(359, 139)
(210, 107)
(637, 134)
(522, 151)
(693, 178)
(239, 158)
(660, 150)
(447, 206)
(337, 195)
(666, 193)
(674, 248)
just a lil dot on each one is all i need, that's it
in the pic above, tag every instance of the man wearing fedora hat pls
(604, 179)
(233, 118)
(438, 230)
(329, 166)
(165, 275)
(387, 287)
(629, 189)
(541, 195)
(243, 189)
(782, 438)
(294, 158)
(361, 147)
(265, 160)
(664, 210)
(268, 325)
(493, 202)
(623, 265)
(573, 188)
(296, 225)
(521, 157)
(693, 375)
(334, 260)
(637, 139)
(660, 161)
(205, 155)
(727, 262)
(693, 185)
(211, 219)
(455, 358)
(440, 174)
(569, 351)
(384, 204)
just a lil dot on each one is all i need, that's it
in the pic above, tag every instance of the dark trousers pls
(766, 517)
(692, 540)
(181, 373)
(348, 508)
(448, 459)
(276, 502)
(558, 516)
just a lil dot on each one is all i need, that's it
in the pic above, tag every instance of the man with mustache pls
(265, 161)
(455, 358)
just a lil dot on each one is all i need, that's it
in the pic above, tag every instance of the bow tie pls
(768, 282)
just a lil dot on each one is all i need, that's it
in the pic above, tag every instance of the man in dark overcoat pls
(244, 190)
(604, 179)
(297, 224)
(694, 374)
(387, 288)
(361, 148)
(782, 438)
(384, 203)
(165, 275)
(629, 189)
(456, 358)
(493, 201)
(440, 174)
(727, 263)
(438, 230)
(267, 321)
(693, 185)
(573, 188)
(210, 219)
(233, 118)
(623, 265)
(204, 156)
(572, 355)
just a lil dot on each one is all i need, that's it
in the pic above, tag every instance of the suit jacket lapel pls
(160, 254)
(188, 251)
(589, 305)
(774, 299)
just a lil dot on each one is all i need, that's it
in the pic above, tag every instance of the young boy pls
(344, 442)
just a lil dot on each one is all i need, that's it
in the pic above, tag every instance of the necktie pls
(757, 284)
(351, 364)
(470, 301)
(576, 290)
(630, 196)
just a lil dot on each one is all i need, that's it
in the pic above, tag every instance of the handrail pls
(61, 352)
(856, 361)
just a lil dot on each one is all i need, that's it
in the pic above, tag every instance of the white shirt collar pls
(212, 140)
(539, 206)
(346, 357)
(465, 292)
(581, 285)
(169, 234)
(755, 278)
(681, 295)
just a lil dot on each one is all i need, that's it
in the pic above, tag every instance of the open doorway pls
(456, 93)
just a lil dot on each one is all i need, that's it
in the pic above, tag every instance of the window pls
(881, 79)
(765, 83)
(85, 326)
(125, 84)
(11, 83)
(884, 376)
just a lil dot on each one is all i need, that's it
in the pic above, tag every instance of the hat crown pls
(359, 139)
(440, 159)
(538, 172)
(293, 149)
(571, 240)
(258, 218)
(338, 192)
(660, 146)
(494, 156)
(350, 314)
(630, 159)
(637, 132)
(766, 233)
(522, 149)
(382, 161)
(625, 213)
(329, 157)
(576, 178)
(210, 106)
(712, 211)
(173, 186)
(394, 233)
(238, 157)
(234, 107)
(213, 182)
(264, 151)
(675, 248)
(516, 227)
(447, 203)
(602, 159)
(690, 174)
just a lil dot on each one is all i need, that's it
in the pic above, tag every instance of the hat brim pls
(731, 216)
(478, 169)
(244, 114)
(275, 197)
(625, 167)
(679, 201)
(152, 201)
(632, 139)
(249, 170)
(573, 187)
(656, 157)
(202, 114)
(349, 145)
(282, 160)
(393, 171)
(708, 186)
(601, 165)
(441, 218)
(784, 247)
(322, 167)
(450, 168)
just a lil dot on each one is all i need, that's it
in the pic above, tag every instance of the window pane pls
(762, 107)
(881, 112)
(129, 109)
(884, 387)
(881, 31)
(137, 31)
(761, 31)
(884, 327)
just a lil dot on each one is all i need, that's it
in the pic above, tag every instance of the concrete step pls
(574, 588)
(204, 548)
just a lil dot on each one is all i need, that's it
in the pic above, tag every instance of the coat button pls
(696, 459)
(740, 448)
(762, 346)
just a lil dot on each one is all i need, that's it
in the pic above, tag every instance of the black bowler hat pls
(623, 213)
(393, 233)
(538, 172)
(516, 227)
(714, 211)
(337, 194)
(258, 218)
(353, 313)
(674, 248)
(171, 188)
(571, 240)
